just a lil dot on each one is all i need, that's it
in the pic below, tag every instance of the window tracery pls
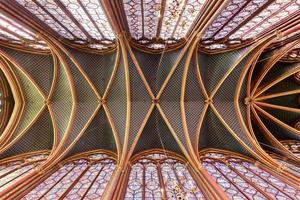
(15, 33)
(293, 146)
(157, 176)
(84, 177)
(14, 169)
(241, 21)
(159, 22)
(243, 179)
(293, 56)
(272, 14)
(83, 22)
(232, 15)
(292, 167)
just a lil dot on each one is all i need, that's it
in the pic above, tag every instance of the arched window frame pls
(287, 163)
(293, 146)
(9, 166)
(141, 157)
(82, 157)
(241, 158)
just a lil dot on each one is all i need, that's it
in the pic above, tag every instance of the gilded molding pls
(18, 98)
(269, 64)
(8, 133)
(277, 144)
(277, 121)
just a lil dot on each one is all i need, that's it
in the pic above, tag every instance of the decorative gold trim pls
(23, 155)
(139, 133)
(297, 126)
(228, 72)
(170, 74)
(162, 114)
(18, 98)
(55, 76)
(297, 77)
(113, 74)
(215, 191)
(138, 68)
(170, 154)
(199, 126)
(10, 143)
(66, 150)
(7, 135)
(199, 77)
(277, 80)
(277, 121)
(24, 49)
(78, 66)
(128, 96)
(249, 130)
(182, 99)
(19, 67)
(271, 39)
(110, 190)
(269, 64)
(277, 107)
(273, 140)
(280, 94)
(55, 129)
(49, 98)
(232, 132)
(116, 136)
(50, 161)
(85, 154)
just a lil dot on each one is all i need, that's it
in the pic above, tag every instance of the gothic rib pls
(270, 63)
(272, 139)
(286, 74)
(30, 110)
(64, 121)
(86, 96)
(18, 98)
(277, 121)
(249, 70)
(275, 95)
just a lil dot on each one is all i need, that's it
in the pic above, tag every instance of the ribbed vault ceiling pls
(90, 87)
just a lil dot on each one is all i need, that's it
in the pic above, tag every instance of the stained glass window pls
(235, 12)
(293, 55)
(289, 164)
(242, 20)
(80, 178)
(156, 176)
(242, 179)
(81, 21)
(271, 15)
(293, 146)
(13, 170)
(15, 33)
(156, 22)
